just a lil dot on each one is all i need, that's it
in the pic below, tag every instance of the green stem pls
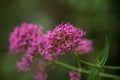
(93, 65)
(74, 57)
(84, 70)
(102, 74)
(66, 65)
(87, 63)
(111, 67)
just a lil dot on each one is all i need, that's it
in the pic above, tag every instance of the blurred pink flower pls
(74, 75)
(26, 38)
(41, 70)
(40, 76)
(85, 47)
(24, 65)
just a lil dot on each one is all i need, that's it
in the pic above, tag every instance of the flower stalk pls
(81, 70)
(93, 65)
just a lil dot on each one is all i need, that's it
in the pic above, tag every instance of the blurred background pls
(96, 17)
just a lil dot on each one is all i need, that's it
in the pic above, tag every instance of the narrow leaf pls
(103, 56)
(100, 61)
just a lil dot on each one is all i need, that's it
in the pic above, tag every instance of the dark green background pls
(96, 17)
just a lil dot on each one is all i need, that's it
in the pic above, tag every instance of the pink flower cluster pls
(26, 38)
(74, 75)
(64, 38)
(29, 40)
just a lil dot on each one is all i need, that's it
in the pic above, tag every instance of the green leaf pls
(103, 56)
(100, 61)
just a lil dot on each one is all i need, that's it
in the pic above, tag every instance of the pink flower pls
(26, 38)
(30, 40)
(74, 75)
(64, 38)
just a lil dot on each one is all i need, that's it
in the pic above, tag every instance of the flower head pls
(26, 38)
(65, 37)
